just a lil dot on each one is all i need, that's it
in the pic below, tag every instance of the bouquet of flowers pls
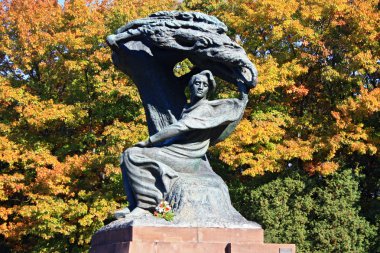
(164, 210)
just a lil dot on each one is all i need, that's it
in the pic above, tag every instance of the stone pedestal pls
(166, 239)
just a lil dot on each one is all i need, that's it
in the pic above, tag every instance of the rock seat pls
(202, 200)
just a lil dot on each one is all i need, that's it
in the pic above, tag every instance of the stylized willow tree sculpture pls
(148, 49)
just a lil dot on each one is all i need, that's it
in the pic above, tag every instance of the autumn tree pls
(319, 69)
(316, 109)
(66, 115)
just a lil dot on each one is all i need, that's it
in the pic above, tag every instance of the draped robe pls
(149, 172)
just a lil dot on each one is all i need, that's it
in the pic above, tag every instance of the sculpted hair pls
(210, 80)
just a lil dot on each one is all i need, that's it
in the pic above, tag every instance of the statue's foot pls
(126, 213)
(120, 214)
(138, 212)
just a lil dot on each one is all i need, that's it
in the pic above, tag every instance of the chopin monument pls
(171, 165)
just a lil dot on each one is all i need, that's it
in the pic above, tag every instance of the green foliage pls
(169, 216)
(182, 68)
(318, 214)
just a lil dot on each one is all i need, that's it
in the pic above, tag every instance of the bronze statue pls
(172, 163)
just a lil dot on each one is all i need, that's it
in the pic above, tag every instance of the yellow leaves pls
(366, 62)
(9, 151)
(53, 181)
(353, 111)
(352, 134)
(38, 114)
(294, 27)
(265, 128)
(10, 184)
(274, 10)
(11, 230)
(75, 66)
(244, 133)
(76, 209)
(110, 169)
(313, 9)
(47, 213)
(278, 76)
(86, 221)
(297, 92)
(121, 135)
(261, 166)
(372, 149)
(333, 144)
(116, 87)
(324, 168)
(76, 165)
(359, 147)
(124, 11)
(366, 104)
(256, 146)
(272, 78)
(100, 56)
(4, 214)
(231, 150)
(44, 114)
(299, 30)
(47, 217)
(370, 101)
(293, 69)
(10, 95)
(101, 208)
(295, 148)
(266, 131)
(33, 22)
(366, 16)
(270, 157)
(329, 74)
(49, 172)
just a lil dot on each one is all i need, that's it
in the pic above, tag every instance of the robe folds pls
(149, 172)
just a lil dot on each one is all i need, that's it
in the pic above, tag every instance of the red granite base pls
(185, 240)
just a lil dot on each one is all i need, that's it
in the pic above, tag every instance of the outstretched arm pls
(165, 134)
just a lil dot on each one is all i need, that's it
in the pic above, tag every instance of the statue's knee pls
(130, 152)
(124, 156)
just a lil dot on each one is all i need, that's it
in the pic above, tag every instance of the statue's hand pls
(172, 117)
(143, 144)
(112, 41)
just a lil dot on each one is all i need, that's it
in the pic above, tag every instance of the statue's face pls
(199, 87)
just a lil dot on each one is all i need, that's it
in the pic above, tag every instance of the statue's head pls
(202, 84)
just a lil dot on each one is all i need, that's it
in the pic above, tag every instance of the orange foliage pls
(325, 168)
(318, 83)
(66, 115)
